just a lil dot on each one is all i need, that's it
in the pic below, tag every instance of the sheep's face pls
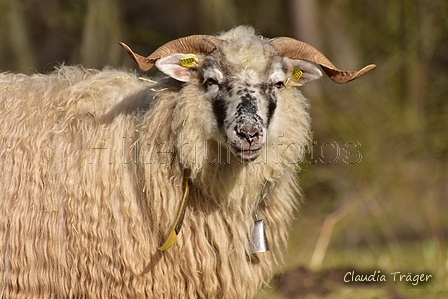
(243, 81)
(244, 96)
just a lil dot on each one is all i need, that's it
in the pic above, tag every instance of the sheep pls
(101, 168)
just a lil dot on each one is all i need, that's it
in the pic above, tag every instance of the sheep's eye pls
(210, 81)
(279, 84)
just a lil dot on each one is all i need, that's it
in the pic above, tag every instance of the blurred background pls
(376, 179)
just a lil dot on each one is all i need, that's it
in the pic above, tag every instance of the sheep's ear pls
(302, 72)
(178, 66)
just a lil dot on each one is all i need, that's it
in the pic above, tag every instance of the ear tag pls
(296, 75)
(189, 62)
(259, 241)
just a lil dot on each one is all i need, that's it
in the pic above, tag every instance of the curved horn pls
(193, 44)
(295, 49)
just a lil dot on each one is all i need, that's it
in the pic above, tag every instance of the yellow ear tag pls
(189, 62)
(296, 75)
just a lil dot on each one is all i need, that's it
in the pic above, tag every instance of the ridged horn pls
(295, 49)
(193, 44)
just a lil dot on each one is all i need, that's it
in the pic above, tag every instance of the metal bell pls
(259, 241)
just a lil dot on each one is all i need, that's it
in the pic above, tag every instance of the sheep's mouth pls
(247, 154)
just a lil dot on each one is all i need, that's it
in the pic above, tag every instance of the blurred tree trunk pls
(305, 21)
(339, 40)
(102, 31)
(306, 28)
(217, 15)
(16, 36)
(412, 66)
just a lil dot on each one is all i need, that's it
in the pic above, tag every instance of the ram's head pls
(243, 76)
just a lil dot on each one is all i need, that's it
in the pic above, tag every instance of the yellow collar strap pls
(179, 219)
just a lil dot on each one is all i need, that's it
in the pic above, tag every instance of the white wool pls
(92, 166)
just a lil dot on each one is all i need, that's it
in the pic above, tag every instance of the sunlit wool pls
(92, 166)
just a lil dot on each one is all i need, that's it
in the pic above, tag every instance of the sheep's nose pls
(249, 135)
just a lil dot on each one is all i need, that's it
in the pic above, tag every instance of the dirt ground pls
(305, 283)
